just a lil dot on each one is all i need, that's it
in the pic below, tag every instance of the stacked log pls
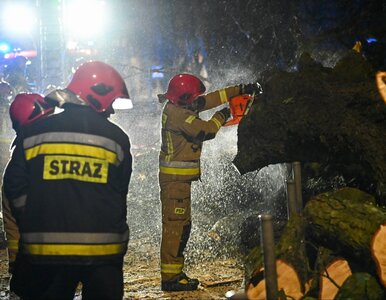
(342, 254)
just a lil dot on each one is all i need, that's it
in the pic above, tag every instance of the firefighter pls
(67, 183)
(182, 137)
(24, 110)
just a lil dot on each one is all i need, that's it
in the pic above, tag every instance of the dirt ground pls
(142, 280)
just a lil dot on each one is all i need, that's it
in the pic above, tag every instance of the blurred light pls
(372, 40)
(86, 18)
(25, 53)
(18, 19)
(122, 103)
(156, 75)
(156, 72)
(4, 47)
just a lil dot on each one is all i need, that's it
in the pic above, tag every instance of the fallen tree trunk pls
(332, 118)
(344, 235)
(346, 226)
(360, 286)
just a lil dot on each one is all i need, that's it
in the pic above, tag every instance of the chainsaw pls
(239, 107)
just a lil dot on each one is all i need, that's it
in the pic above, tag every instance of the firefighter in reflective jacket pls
(67, 182)
(25, 109)
(183, 134)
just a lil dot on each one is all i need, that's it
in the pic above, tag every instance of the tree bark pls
(347, 226)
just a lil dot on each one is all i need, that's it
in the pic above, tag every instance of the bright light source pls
(122, 103)
(4, 48)
(18, 19)
(86, 18)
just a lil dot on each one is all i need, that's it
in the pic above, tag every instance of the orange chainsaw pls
(239, 107)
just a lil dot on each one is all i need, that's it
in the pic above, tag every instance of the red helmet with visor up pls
(98, 84)
(184, 89)
(28, 107)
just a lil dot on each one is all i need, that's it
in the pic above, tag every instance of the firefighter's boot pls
(181, 283)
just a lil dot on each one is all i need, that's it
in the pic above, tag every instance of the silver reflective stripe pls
(74, 137)
(19, 202)
(74, 237)
(179, 164)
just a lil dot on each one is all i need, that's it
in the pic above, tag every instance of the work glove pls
(225, 112)
(251, 88)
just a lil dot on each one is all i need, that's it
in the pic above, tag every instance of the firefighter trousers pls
(176, 225)
(59, 282)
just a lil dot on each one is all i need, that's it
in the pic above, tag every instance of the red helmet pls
(28, 107)
(184, 89)
(98, 84)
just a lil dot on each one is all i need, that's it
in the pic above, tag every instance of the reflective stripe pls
(13, 244)
(76, 138)
(217, 122)
(79, 250)
(71, 237)
(176, 171)
(169, 143)
(164, 119)
(71, 149)
(223, 96)
(180, 164)
(190, 119)
(180, 167)
(19, 202)
(172, 268)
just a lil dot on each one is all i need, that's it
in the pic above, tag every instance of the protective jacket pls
(183, 133)
(67, 183)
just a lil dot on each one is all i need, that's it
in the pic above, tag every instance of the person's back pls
(79, 159)
(67, 182)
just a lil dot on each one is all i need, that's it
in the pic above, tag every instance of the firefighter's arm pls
(16, 181)
(11, 230)
(125, 169)
(201, 130)
(219, 97)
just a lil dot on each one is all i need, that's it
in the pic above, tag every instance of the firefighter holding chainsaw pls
(182, 137)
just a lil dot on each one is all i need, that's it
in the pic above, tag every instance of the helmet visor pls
(122, 104)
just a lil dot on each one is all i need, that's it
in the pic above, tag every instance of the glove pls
(251, 88)
(225, 112)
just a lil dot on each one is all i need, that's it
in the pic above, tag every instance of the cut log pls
(381, 83)
(333, 277)
(378, 251)
(288, 283)
(348, 227)
(291, 263)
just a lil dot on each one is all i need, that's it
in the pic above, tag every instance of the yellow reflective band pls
(164, 119)
(217, 122)
(82, 250)
(169, 144)
(72, 149)
(57, 167)
(175, 171)
(13, 244)
(179, 210)
(190, 119)
(172, 268)
(223, 96)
